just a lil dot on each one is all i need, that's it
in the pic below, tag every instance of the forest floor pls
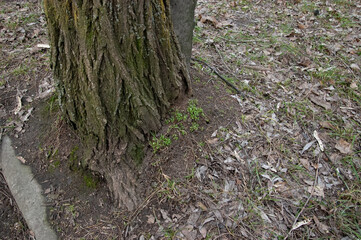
(280, 160)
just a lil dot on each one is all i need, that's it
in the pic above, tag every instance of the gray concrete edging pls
(26, 191)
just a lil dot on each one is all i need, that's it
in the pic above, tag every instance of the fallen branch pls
(219, 75)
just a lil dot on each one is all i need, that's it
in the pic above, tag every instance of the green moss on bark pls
(137, 153)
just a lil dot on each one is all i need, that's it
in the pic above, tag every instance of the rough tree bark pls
(118, 68)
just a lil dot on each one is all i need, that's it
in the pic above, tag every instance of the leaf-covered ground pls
(295, 148)
(280, 160)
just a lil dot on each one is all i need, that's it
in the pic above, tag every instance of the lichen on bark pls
(118, 69)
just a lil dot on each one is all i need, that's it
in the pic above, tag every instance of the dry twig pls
(219, 75)
(257, 68)
(308, 199)
(245, 40)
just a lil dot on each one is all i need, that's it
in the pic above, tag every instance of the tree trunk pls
(118, 67)
(183, 22)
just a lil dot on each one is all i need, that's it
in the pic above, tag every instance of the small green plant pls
(169, 233)
(169, 189)
(175, 137)
(194, 127)
(178, 127)
(52, 154)
(180, 116)
(159, 143)
(52, 106)
(71, 209)
(191, 174)
(194, 112)
(54, 165)
(197, 79)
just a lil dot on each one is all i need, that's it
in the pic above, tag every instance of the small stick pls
(219, 75)
(350, 69)
(224, 63)
(308, 199)
(257, 68)
(245, 40)
(143, 205)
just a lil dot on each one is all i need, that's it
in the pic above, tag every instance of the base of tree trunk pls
(118, 68)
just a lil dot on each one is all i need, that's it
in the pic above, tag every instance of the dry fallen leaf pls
(307, 146)
(301, 26)
(326, 125)
(203, 231)
(353, 85)
(316, 165)
(211, 19)
(151, 219)
(315, 134)
(21, 159)
(47, 46)
(165, 215)
(320, 102)
(308, 182)
(355, 67)
(305, 163)
(212, 141)
(202, 206)
(214, 134)
(343, 146)
(300, 224)
(322, 227)
(317, 191)
(305, 62)
(18, 105)
(225, 23)
(335, 157)
(27, 115)
(236, 155)
(281, 186)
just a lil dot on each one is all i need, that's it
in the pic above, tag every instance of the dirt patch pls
(80, 205)
(53, 151)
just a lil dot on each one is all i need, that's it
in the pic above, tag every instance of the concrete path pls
(26, 191)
